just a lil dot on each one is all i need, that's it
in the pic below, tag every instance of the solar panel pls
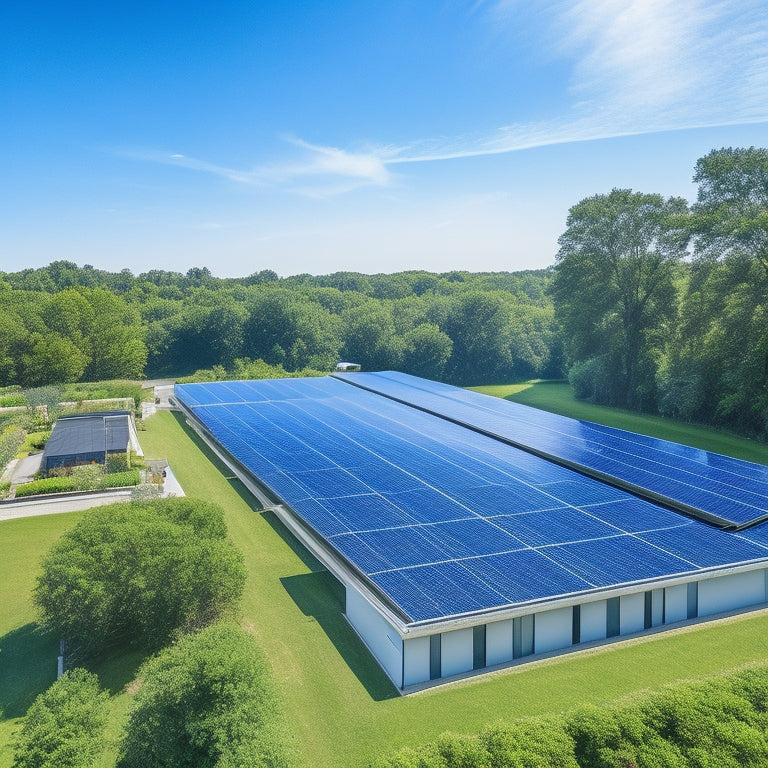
(441, 519)
(721, 489)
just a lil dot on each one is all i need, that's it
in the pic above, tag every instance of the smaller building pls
(347, 367)
(88, 438)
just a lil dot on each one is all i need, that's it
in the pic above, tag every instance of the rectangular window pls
(478, 647)
(693, 600)
(648, 620)
(576, 632)
(612, 617)
(435, 661)
(522, 636)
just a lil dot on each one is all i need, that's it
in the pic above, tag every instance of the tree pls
(137, 572)
(64, 727)
(427, 350)
(614, 288)
(208, 700)
(731, 209)
(717, 368)
(479, 324)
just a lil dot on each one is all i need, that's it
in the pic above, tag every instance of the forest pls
(651, 304)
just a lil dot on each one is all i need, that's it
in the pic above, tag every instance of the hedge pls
(47, 485)
(121, 479)
(68, 484)
(716, 723)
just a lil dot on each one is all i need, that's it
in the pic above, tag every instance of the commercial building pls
(470, 532)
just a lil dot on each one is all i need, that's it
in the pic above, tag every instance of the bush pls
(117, 462)
(46, 485)
(121, 479)
(4, 488)
(87, 477)
(719, 723)
(12, 401)
(65, 725)
(209, 700)
(11, 439)
(137, 573)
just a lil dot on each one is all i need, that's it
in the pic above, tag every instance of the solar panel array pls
(442, 520)
(723, 490)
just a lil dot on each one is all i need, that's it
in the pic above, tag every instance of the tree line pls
(68, 323)
(652, 304)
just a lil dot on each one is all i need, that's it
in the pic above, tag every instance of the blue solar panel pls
(719, 488)
(555, 526)
(443, 519)
(621, 559)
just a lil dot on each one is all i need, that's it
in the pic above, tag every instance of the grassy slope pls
(342, 708)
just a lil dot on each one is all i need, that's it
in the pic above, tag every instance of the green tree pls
(207, 701)
(614, 288)
(137, 572)
(479, 325)
(427, 350)
(64, 727)
(731, 209)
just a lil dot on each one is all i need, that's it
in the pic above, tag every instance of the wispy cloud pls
(318, 170)
(636, 67)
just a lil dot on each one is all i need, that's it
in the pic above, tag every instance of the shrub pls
(65, 725)
(46, 485)
(209, 700)
(87, 477)
(117, 462)
(11, 439)
(138, 572)
(12, 401)
(121, 479)
(4, 488)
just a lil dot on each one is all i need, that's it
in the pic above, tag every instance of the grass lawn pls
(342, 709)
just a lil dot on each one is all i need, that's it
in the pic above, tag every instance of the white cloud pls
(637, 66)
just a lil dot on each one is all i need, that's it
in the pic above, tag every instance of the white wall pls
(725, 593)
(553, 630)
(498, 642)
(632, 613)
(380, 637)
(593, 621)
(415, 660)
(456, 652)
(676, 604)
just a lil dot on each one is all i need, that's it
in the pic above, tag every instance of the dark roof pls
(88, 433)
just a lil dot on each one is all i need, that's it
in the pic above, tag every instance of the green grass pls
(557, 397)
(342, 709)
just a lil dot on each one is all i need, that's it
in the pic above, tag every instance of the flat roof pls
(88, 433)
(439, 519)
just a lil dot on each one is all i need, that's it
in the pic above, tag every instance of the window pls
(693, 600)
(435, 662)
(576, 632)
(478, 647)
(612, 617)
(522, 636)
(648, 620)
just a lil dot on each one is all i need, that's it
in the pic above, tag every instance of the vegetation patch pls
(208, 700)
(137, 573)
(717, 723)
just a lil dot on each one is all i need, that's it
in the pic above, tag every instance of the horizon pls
(373, 138)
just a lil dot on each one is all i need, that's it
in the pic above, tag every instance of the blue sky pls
(355, 134)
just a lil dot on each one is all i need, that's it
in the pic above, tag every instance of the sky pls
(363, 135)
